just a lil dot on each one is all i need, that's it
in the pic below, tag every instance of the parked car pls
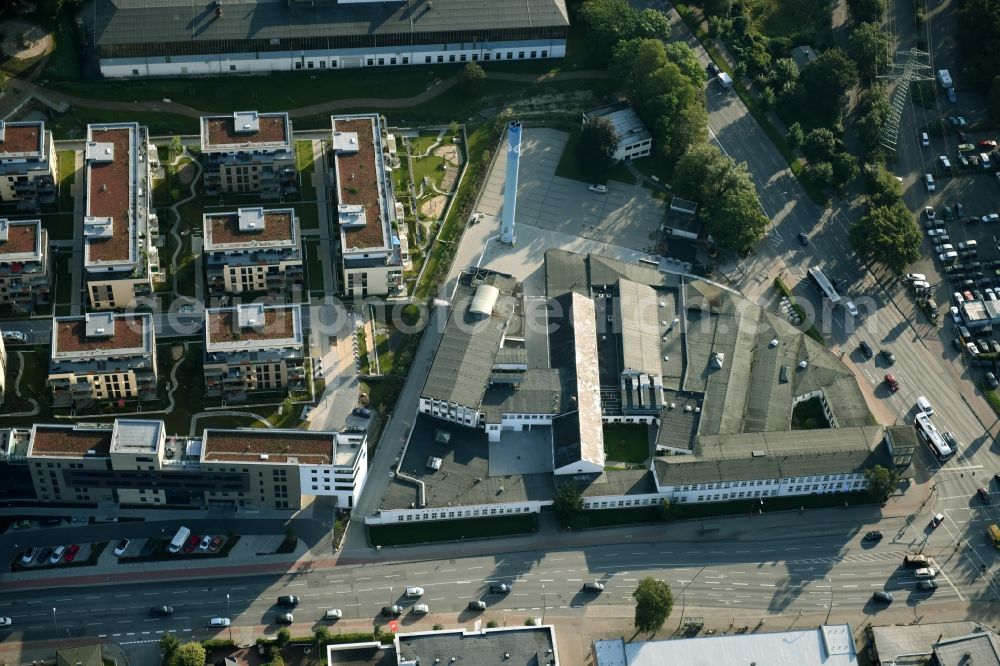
(57, 554)
(952, 97)
(874, 535)
(884, 597)
(597, 187)
(22, 524)
(950, 255)
(333, 614)
(986, 145)
(594, 586)
(963, 161)
(206, 541)
(71, 552)
(362, 412)
(925, 140)
(420, 609)
(943, 159)
(937, 519)
(15, 336)
(44, 555)
(984, 495)
(887, 356)
(191, 543)
(713, 69)
(5, 622)
(218, 622)
(477, 605)
(917, 560)
(930, 585)
(959, 210)
(284, 618)
(392, 611)
(161, 611)
(414, 592)
(925, 573)
(121, 547)
(288, 601)
(937, 231)
(28, 555)
(852, 309)
(929, 182)
(804, 239)
(972, 348)
(991, 380)
(216, 544)
(866, 349)
(929, 213)
(915, 277)
(147, 548)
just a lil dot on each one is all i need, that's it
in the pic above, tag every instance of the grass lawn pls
(64, 279)
(314, 268)
(452, 530)
(809, 415)
(626, 442)
(993, 398)
(73, 123)
(67, 174)
(385, 354)
(36, 370)
(306, 165)
(190, 390)
(430, 167)
(307, 214)
(419, 145)
(363, 351)
(382, 393)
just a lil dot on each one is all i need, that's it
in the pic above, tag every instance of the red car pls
(70, 553)
(891, 381)
(192, 543)
(988, 145)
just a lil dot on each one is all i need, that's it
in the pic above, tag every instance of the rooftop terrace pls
(20, 240)
(250, 228)
(245, 129)
(359, 182)
(274, 446)
(109, 225)
(22, 139)
(252, 326)
(69, 441)
(116, 334)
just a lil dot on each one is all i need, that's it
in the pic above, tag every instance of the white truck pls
(944, 78)
(179, 539)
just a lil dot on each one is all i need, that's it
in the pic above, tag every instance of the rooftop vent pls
(264, 456)
(758, 454)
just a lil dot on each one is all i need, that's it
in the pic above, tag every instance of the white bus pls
(824, 286)
(929, 433)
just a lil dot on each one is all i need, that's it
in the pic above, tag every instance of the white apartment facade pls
(249, 153)
(252, 250)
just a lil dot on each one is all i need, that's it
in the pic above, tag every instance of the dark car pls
(44, 555)
(887, 356)
(712, 69)
(392, 611)
(477, 606)
(161, 611)
(147, 548)
(884, 597)
(991, 380)
(927, 585)
(874, 535)
(804, 239)
(499, 588)
(866, 349)
(284, 618)
(984, 495)
(363, 412)
(288, 601)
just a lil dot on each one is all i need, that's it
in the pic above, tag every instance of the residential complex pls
(118, 254)
(520, 389)
(634, 140)
(252, 250)
(160, 38)
(371, 258)
(28, 164)
(5, 450)
(25, 269)
(134, 462)
(249, 152)
(102, 356)
(254, 348)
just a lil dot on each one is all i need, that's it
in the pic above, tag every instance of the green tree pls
(188, 654)
(873, 111)
(567, 503)
(609, 22)
(845, 168)
(871, 48)
(653, 603)
(283, 637)
(784, 72)
(795, 135)
(883, 187)
(595, 150)
(176, 147)
(169, 644)
(472, 78)
(322, 635)
(979, 26)
(887, 235)
(681, 55)
(717, 7)
(882, 482)
(867, 11)
(824, 83)
(819, 144)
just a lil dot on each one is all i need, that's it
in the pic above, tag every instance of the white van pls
(924, 405)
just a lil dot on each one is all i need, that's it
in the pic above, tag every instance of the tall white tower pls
(507, 236)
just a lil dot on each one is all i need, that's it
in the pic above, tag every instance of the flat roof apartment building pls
(254, 348)
(102, 356)
(249, 152)
(25, 270)
(134, 462)
(252, 250)
(117, 252)
(366, 210)
(27, 164)
(139, 38)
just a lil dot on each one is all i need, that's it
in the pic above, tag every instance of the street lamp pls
(228, 617)
(543, 604)
(55, 625)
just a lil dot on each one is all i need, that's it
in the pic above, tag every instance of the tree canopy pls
(472, 78)
(882, 482)
(726, 195)
(596, 148)
(824, 82)
(653, 603)
(979, 26)
(867, 11)
(609, 22)
(567, 503)
(887, 235)
(871, 48)
(188, 654)
(666, 99)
